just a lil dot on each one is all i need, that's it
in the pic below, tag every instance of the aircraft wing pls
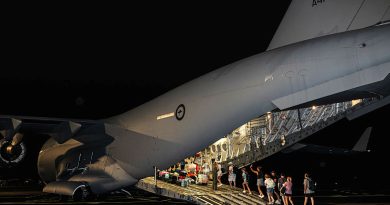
(60, 129)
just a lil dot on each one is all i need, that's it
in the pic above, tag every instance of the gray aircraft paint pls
(221, 101)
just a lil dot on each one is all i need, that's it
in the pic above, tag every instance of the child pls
(245, 179)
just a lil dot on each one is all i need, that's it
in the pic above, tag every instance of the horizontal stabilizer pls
(361, 145)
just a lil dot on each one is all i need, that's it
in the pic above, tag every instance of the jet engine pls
(12, 152)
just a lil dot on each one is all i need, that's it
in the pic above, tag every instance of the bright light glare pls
(355, 102)
(165, 116)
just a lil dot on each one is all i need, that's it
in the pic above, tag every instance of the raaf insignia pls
(180, 112)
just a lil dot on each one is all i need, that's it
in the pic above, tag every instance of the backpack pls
(283, 190)
(312, 185)
(223, 170)
(235, 169)
(272, 184)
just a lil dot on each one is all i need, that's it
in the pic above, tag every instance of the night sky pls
(94, 63)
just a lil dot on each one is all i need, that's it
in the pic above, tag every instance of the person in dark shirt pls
(182, 165)
(281, 181)
(260, 179)
(214, 170)
(276, 192)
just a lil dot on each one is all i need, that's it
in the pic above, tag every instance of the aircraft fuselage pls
(189, 118)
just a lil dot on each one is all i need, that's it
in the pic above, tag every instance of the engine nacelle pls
(75, 168)
(11, 154)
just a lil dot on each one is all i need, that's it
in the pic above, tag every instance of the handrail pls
(258, 144)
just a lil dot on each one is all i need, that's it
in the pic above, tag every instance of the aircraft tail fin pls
(306, 19)
(361, 144)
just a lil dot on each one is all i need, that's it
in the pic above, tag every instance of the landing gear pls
(82, 193)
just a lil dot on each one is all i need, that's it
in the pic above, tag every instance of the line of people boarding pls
(279, 187)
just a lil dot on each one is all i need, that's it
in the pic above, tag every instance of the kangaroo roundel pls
(180, 112)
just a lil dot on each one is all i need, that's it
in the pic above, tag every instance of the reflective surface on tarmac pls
(32, 195)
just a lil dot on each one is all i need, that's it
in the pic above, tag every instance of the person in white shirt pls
(270, 185)
(219, 174)
(232, 176)
(205, 168)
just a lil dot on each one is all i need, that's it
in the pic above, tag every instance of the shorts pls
(232, 177)
(309, 195)
(287, 194)
(270, 190)
(260, 182)
(219, 173)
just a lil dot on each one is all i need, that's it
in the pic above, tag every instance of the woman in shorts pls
(232, 176)
(288, 194)
(245, 181)
(270, 185)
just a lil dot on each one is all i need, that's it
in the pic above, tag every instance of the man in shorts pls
(276, 191)
(260, 179)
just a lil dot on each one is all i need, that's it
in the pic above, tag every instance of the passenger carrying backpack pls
(312, 185)
(272, 183)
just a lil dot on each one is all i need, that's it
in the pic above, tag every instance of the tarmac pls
(145, 193)
(203, 194)
(33, 195)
